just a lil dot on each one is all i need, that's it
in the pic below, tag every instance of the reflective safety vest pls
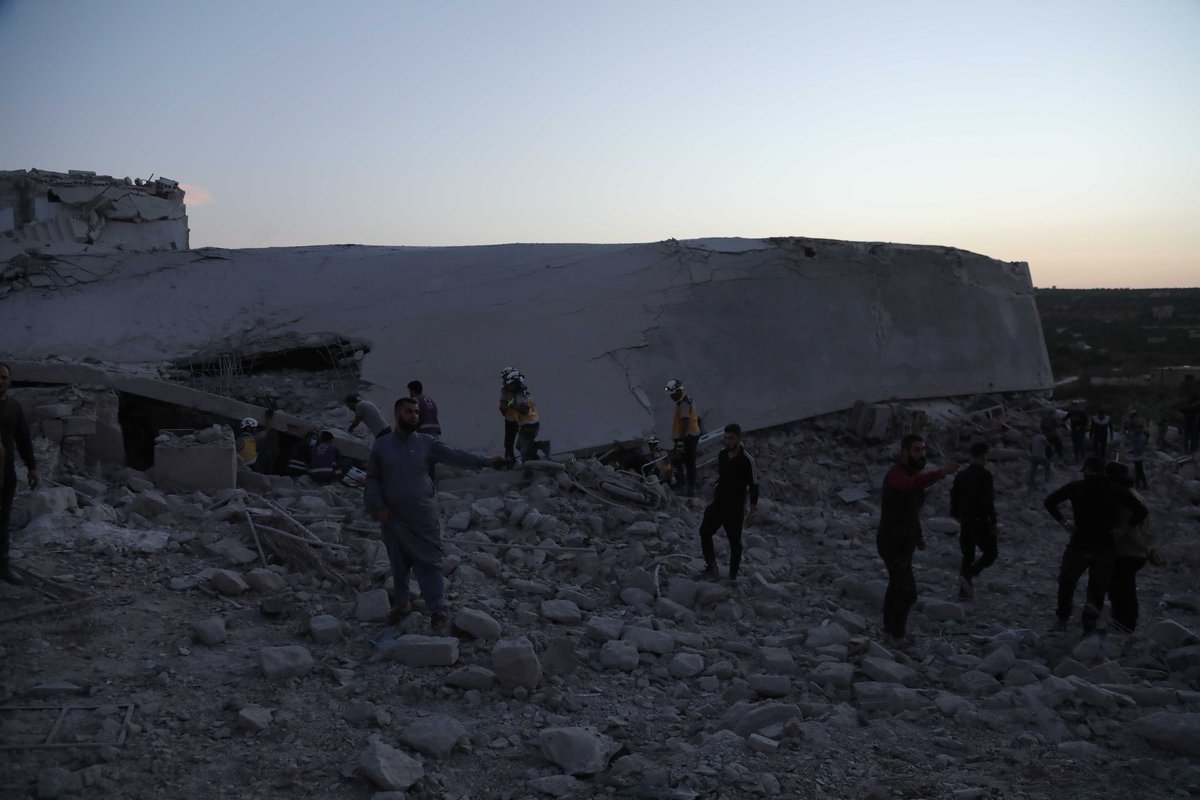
(687, 419)
(525, 407)
(247, 449)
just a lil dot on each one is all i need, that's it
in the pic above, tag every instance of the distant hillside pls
(1108, 333)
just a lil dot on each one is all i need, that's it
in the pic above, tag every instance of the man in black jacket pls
(736, 478)
(1094, 508)
(14, 433)
(973, 504)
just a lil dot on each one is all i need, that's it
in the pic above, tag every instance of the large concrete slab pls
(761, 331)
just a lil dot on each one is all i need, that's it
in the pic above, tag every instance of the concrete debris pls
(81, 212)
(585, 658)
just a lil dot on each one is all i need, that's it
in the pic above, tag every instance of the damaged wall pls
(761, 331)
(79, 211)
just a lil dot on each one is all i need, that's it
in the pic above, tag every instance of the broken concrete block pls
(53, 429)
(480, 678)
(209, 631)
(576, 750)
(416, 650)
(288, 661)
(265, 581)
(254, 718)
(388, 768)
(233, 551)
(325, 629)
(51, 501)
(79, 426)
(149, 504)
(649, 641)
(686, 665)
(196, 467)
(435, 736)
(562, 611)
(227, 582)
(619, 655)
(477, 623)
(372, 606)
(54, 411)
(516, 664)
(603, 629)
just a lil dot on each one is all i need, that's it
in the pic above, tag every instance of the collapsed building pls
(761, 331)
(44, 212)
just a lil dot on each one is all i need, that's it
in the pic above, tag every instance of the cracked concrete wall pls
(761, 332)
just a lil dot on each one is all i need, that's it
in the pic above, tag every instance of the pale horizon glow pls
(1066, 134)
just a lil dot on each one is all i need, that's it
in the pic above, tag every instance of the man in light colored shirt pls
(368, 413)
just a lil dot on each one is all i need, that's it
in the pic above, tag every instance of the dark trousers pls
(6, 503)
(730, 517)
(1139, 474)
(1191, 437)
(1099, 567)
(976, 533)
(1078, 442)
(1054, 446)
(527, 441)
(1122, 590)
(510, 436)
(684, 461)
(415, 549)
(1099, 446)
(897, 555)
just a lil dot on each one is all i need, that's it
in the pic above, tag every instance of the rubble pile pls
(583, 657)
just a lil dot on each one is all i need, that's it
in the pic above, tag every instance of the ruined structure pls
(763, 332)
(48, 212)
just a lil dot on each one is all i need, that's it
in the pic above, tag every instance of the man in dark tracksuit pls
(14, 433)
(973, 504)
(399, 494)
(900, 532)
(1094, 506)
(736, 477)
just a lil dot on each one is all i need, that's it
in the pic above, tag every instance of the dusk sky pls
(1065, 134)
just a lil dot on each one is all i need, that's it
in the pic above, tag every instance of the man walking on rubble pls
(900, 534)
(14, 439)
(427, 418)
(399, 494)
(1095, 505)
(368, 413)
(736, 479)
(685, 430)
(1077, 422)
(973, 504)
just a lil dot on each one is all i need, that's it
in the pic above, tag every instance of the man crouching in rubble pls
(399, 493)
(900, 534)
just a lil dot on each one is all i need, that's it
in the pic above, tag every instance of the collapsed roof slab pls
(51, 372)
(762, 332)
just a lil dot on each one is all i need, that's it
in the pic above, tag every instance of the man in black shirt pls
(1078, 421)
(1094, 506)
(14, 433)
(736, 477)
(973, 504)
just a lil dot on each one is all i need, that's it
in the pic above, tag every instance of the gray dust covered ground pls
(582, 659)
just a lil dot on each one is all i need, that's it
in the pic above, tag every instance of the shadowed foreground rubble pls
(584, 660)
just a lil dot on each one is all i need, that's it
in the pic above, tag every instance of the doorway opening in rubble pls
(142, 418)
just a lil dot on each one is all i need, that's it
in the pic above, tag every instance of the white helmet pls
(674, 385)
(249, 422)
(510, 374)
